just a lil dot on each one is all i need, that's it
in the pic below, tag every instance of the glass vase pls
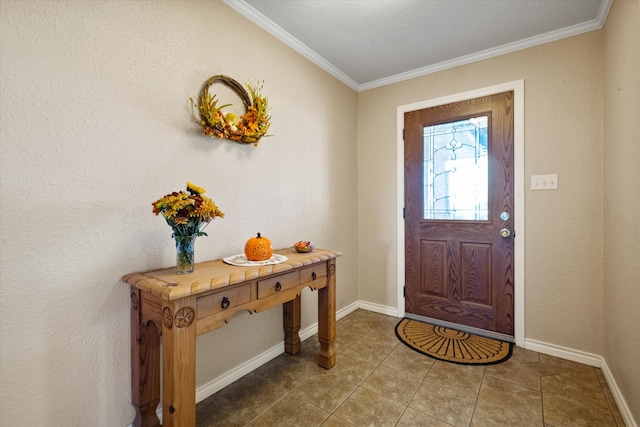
(185, 254)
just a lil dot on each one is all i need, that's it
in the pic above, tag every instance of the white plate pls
(242, 261)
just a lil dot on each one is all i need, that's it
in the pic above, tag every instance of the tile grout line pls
(541, 398)
(475, 405)
(392, 363)
(414, 394)
(358, 385)
(606, 397)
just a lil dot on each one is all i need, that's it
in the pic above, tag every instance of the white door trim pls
(519, 186)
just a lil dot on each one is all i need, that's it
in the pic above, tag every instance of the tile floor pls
(378, 381)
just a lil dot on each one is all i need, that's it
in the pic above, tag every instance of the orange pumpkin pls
(258, 248)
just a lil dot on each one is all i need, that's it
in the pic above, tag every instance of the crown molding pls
(262, 21)
(278, 32)
(603, 12)
(551, 36)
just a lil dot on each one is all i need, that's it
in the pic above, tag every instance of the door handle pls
(505, 232)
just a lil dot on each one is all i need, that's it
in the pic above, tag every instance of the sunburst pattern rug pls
(451, 345)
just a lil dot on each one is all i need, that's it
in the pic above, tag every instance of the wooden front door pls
(459, 216)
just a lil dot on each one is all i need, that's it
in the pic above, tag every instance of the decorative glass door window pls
(455, 170)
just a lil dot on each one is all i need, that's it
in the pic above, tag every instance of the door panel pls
(458, 182)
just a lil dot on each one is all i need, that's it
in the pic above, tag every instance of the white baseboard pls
(377, 308)
(591, 360)
(238, 372)
(617, 396)
(564, 352)
(217, 384)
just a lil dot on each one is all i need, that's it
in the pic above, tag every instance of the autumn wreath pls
(246, 129)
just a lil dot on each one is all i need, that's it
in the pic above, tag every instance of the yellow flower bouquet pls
(187, 213)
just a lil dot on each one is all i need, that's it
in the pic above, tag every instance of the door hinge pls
(404, 213)
(404, 291)
(403, 134)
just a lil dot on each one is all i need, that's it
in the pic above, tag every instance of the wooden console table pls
(181, 307)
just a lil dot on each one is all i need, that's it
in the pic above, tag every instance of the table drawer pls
(277, 284)
(314, 275)
(223, 300)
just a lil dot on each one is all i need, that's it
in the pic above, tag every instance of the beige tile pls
(489, 415)
(576, 391)
(560, 413)
(612, 402)
(514, 372)
(383, 333)
(375, 377)
(215, 420)
(353, 326)
(291, 411)
(522, 355)
(414, 418)
(392, 321)
(387, 325)
(334, 421)
(325, 391)
(308, 355)
(464, 378)
(309, 350)
(410, 361)
(366, 408)
(212, 413)
(444, 403)
(345, 340)
(512, 396)
(371, 349)
(250, 395)
(285, 370)
(392, 383)
(350, 366)
(608, 394)
(350, 315)
(569, 368)
(368, 316)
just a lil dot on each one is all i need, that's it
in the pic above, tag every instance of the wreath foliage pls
(246, 129)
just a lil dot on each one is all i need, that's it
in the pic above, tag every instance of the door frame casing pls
(519, 188)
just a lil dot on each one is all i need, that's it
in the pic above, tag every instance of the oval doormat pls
(451, 345)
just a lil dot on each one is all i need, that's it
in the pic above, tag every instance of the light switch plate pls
(544, 182)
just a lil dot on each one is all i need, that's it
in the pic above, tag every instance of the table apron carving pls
(181, 307)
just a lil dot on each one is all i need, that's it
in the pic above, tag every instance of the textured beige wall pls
(563, 135)
(622, 198)
(95, 125)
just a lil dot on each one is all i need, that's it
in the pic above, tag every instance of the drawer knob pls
(225, 303)
(313, 276)
(278, 287)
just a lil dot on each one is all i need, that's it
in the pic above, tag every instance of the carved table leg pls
(327, 319)
(145, 365)
(179, 363)
(291, 320)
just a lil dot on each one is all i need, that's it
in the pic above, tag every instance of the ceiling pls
(372, 43)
